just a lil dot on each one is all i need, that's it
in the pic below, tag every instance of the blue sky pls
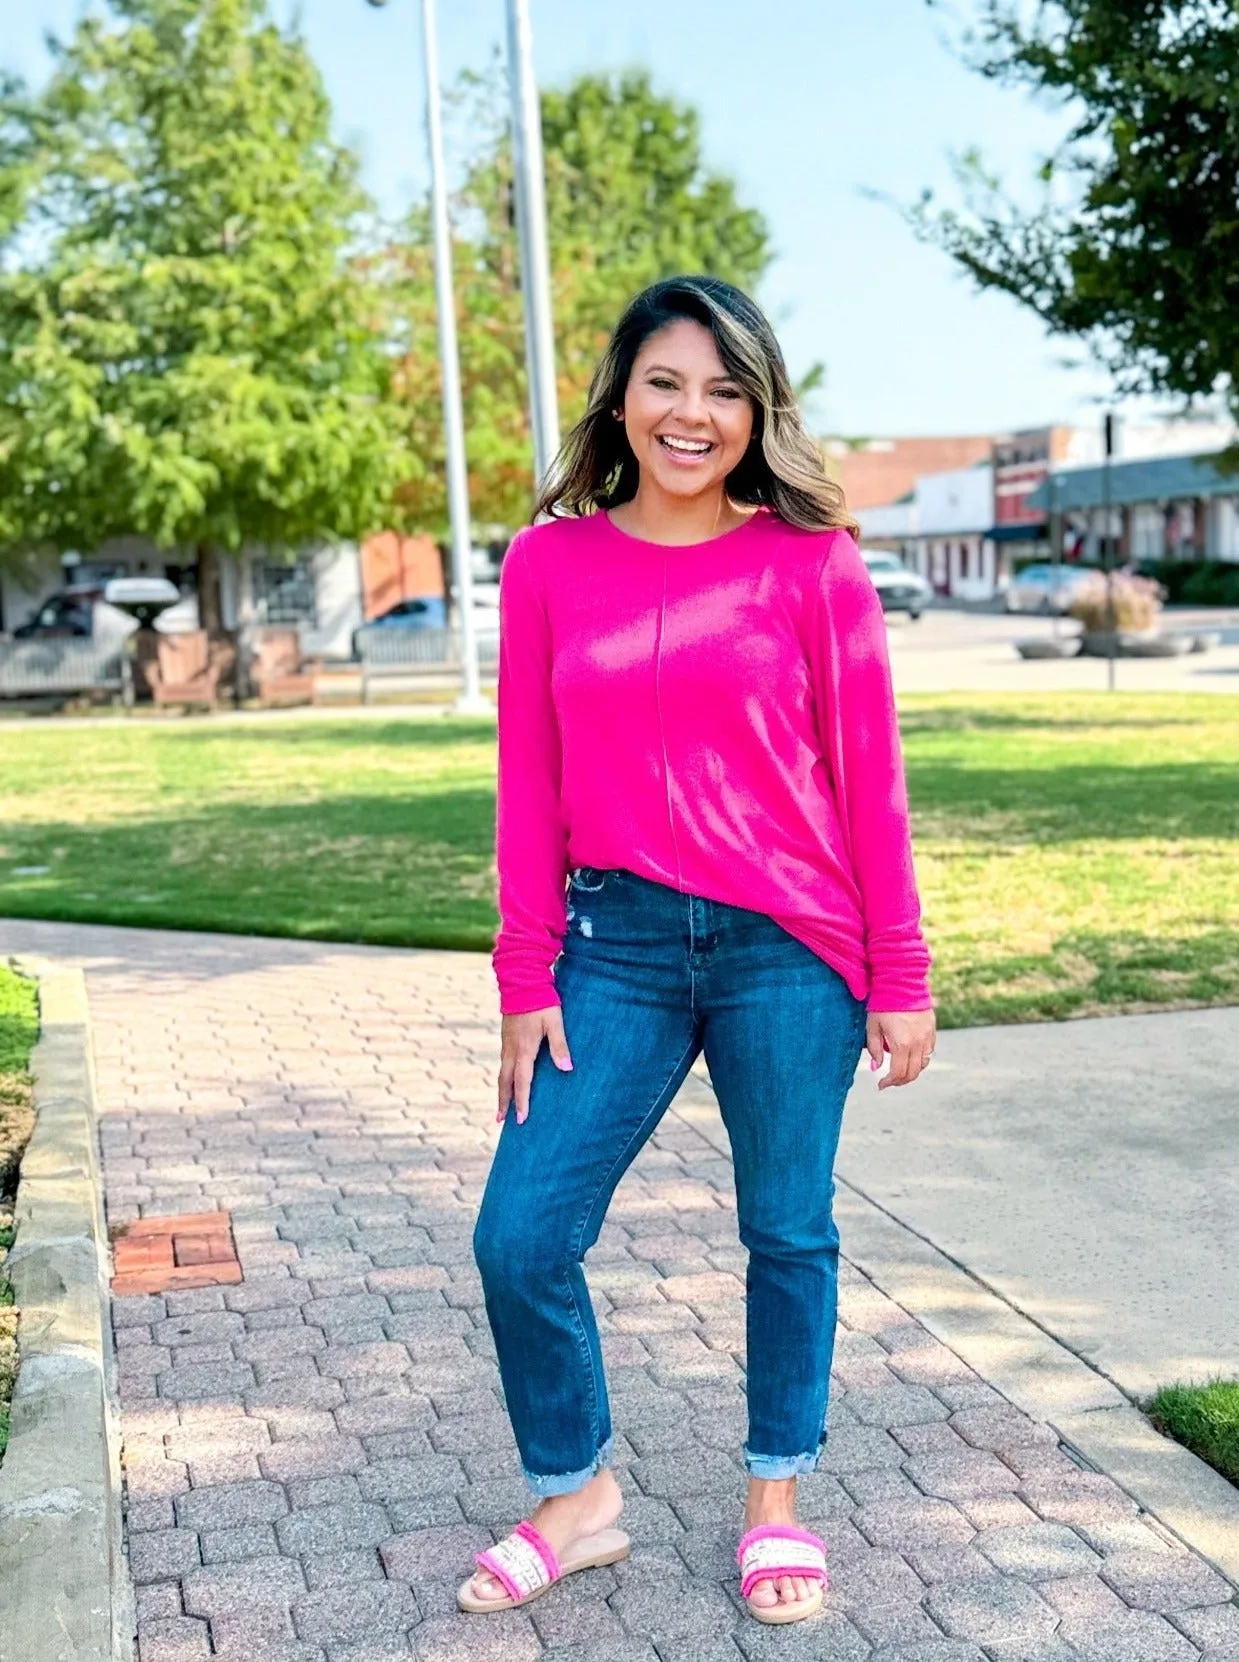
(808, 103)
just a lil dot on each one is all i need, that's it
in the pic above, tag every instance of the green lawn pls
(1077, 853)
(19, 1026)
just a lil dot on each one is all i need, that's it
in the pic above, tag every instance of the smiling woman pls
(692, 399)
(702, 846)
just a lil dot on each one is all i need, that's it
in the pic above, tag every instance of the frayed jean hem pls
(776, 1467)
(568, 1482)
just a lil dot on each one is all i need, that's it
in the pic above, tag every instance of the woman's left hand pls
(908, 1035)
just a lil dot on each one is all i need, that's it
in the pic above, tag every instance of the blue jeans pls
(648, 978)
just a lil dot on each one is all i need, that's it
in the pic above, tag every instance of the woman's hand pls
(908, 1035)
(520, 1043)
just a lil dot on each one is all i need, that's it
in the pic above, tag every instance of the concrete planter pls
(66, 1594)
(1133, 644)
(1065, 646)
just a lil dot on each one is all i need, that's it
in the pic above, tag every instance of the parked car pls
(423, 611)
(81, 612)
(1045, 588)
(899, 589)
(68, 613)
(430, 612)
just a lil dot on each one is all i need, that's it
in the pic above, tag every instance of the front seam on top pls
(662, 730)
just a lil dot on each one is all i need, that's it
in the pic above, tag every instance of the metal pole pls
(1107, 559)
(471, 701)
(530, 182)
(1056, 546)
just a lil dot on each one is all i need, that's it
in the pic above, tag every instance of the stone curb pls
(66, 1594)
(1023, 1362)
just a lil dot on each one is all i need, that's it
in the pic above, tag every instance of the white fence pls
(34, 667)
(392, 654)
(398, 649)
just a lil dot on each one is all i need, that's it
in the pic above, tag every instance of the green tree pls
(630, 198)
(1135, 248)
(187, 349)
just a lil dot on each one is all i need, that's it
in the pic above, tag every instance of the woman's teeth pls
(685, 447)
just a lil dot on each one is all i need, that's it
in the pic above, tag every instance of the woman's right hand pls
(520, 1043)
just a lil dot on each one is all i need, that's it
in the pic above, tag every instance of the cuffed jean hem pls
(569, 1482)
(775, 1467)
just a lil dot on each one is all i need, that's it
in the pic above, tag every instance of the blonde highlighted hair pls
(783, 468)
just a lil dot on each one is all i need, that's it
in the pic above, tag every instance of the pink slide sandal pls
(525, 1565)
(774, 1550)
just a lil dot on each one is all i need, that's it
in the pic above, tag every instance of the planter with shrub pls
(1122, 617)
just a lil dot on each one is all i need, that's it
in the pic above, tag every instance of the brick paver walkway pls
(313, 1456)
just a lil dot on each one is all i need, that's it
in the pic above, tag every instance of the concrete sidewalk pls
(314, 1455)
(1088, 1172)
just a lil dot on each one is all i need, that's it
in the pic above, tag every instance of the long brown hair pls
(782, 468)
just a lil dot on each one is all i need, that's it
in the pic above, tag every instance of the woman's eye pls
(661, 382)
(727, 392)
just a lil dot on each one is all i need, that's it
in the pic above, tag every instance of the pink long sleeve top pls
(716, 717)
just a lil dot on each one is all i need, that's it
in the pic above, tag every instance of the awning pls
(1020, 533)
(1154, 479)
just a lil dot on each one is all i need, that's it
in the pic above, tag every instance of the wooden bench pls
(189, 668)
(279, 671)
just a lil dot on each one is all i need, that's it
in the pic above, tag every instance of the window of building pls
(1148, 531)
(285, 592)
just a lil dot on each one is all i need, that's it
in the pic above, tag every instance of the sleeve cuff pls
(531, 988)
(899, 974)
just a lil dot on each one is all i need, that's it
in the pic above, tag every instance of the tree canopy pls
(187, 350)
(1135, 248)
(204, 341)
(630, 198)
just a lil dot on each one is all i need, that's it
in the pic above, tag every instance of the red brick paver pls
(158, 1255)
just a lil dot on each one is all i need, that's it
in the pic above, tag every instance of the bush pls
(1196, 582)
(1214, 583)
(1137, 603)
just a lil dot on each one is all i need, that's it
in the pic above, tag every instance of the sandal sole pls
(774, 1615)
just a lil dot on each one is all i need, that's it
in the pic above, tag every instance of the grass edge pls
(19, 1012)
(1204, 1419)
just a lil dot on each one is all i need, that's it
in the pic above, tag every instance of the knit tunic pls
(718, 718)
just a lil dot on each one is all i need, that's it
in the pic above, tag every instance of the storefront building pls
(1162, 508)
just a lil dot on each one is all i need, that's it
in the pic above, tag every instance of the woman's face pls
(686, 419)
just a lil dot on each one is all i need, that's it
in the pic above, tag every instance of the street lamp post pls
(471, 700)
(1056, 546)
(530, 180)
(1108, 555)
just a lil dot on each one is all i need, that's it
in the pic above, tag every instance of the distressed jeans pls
(649, 978)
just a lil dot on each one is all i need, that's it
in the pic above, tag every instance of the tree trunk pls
(246, 621)
(210, 611)
(449, 592)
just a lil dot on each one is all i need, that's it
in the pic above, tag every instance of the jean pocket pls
(588, 879)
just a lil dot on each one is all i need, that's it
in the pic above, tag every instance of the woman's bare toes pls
(486, 1587)
(764, 1594)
